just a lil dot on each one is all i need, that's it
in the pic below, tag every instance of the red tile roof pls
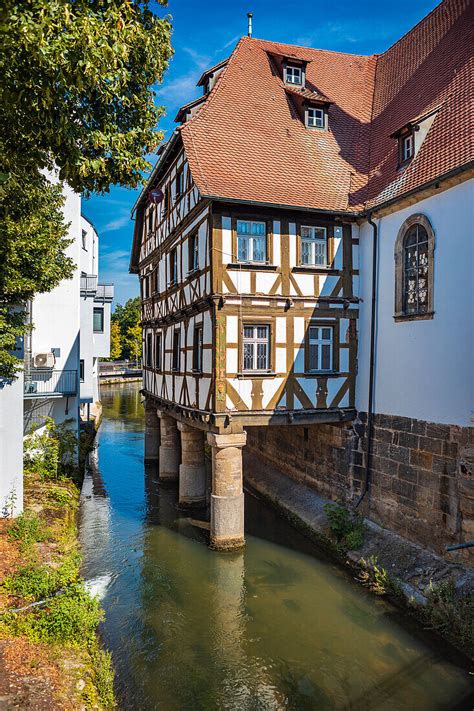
(247, 141)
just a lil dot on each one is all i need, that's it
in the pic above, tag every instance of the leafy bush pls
(451, 614)
(51, 454)
(28, 528)
(60, 497)
(37, 582)
(70, 618)
(103, 677)
(347, 527)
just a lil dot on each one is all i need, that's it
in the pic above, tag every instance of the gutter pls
(373, 319)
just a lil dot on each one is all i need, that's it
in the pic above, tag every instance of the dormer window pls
(407, 147)
(293, 75)
(315, 117)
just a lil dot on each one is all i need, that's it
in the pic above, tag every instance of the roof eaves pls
(211, 70)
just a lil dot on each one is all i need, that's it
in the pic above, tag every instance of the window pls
(173, 257)
(251, 241)
(197, 349)
(313, 246)
(158, 352)
(84, 240)
(150, 220)
(315, 118)
(320, 348)
(414, 266)
(98, 324)
(179, 183)
(256, 348)
(193, 252)
(164, 203)
(176, 350)
(149, 350)
(81, 371)
(406, 148)
(293, 75)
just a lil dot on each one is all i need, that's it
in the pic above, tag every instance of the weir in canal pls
(273, 626)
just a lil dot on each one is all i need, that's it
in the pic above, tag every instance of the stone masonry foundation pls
(422, 473)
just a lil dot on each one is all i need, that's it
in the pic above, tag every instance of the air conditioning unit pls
(44, 360)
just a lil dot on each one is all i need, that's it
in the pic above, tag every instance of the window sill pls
(414, 317)
(322, 373)
(196, 372)
(249, 374)
(302, 269)
(253, 266)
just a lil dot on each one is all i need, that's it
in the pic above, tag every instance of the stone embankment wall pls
(422, 473)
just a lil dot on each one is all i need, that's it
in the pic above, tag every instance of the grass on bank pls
(44, 597)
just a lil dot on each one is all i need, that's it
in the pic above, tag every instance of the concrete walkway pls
(412, 566)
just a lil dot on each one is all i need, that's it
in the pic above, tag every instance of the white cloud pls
(121, 221)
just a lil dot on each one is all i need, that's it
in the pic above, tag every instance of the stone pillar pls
(227, 497)
(152, 432)
(170, 449)
(192, 470)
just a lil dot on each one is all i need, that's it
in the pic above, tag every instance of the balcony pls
(104, 293)
(89, 285)
(50, 383)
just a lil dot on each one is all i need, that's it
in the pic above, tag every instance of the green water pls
(273, 627)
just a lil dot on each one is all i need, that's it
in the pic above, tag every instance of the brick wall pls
(422, 473)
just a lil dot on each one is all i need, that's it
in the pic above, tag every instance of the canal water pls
(273, 627)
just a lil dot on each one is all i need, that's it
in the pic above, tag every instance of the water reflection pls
(272, 627)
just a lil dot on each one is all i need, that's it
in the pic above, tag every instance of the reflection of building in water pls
(94, 507)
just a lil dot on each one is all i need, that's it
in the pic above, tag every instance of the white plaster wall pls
(11, 447)
(56, 315)
(423, 368)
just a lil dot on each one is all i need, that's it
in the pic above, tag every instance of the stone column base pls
(192, 470)
(227, 498)
(152, 433)
(227, 523)
(170, 450)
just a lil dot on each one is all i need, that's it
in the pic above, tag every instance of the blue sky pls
(206, 32)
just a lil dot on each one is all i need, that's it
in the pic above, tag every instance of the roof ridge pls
(313, 49)
(408, 32)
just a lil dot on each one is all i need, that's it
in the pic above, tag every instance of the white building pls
(71, 330)
(95, 307)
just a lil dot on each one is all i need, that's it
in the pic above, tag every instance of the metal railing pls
(50, 382)
(89, 285)
(105, 292)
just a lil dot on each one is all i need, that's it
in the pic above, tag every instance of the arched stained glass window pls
(415, 287)
(414, 267)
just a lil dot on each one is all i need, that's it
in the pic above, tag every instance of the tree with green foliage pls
(76, 100)
(128, 317)
(133, 342)
(115, 341)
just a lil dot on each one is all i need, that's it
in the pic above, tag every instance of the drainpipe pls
(366, 488)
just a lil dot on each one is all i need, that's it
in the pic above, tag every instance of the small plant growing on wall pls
(347, 527)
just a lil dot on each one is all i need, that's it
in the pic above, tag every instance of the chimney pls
(249, 17)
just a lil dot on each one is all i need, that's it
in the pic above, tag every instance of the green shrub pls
(51, 454)
(347, 527)
(37, 582)
(103, 677)
(60, 497)
(28, 529)
(451, 614)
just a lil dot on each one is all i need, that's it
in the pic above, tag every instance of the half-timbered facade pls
(246, 244)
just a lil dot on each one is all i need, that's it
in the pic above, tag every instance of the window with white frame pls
(173, 265)
(149, 351)
(320, 348)
(193, 252)
(159, 351)
(251, 241)
(293, 75)
(406, 148)
(315, 117)
(256, 348)
(313, 246)
(176, 363)
(198, 348)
